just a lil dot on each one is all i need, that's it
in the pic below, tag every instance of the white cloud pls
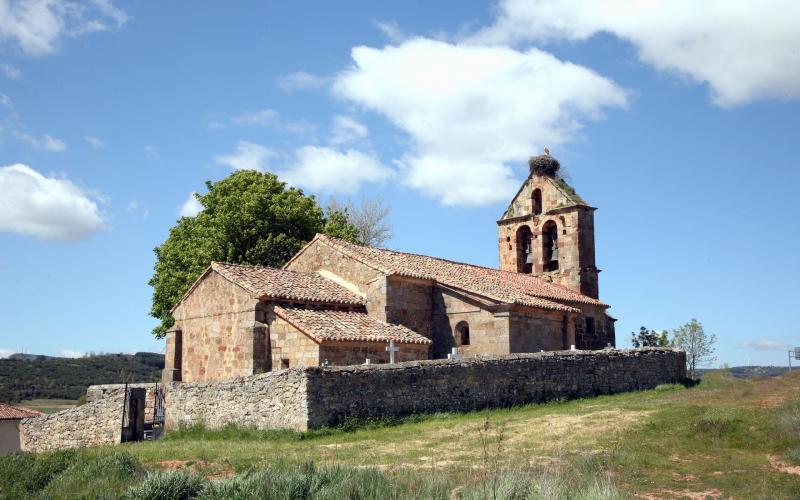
(6, 102)
(10, 71)
(215, 125)
(261, 117)
(346, 129)
(470, 110)
(300, 80)
(329, 170)
(36, 26)
(135, 206)
(45, 143)
(765, 345)
(46, 207)
(744, 50)
(191, 206)
(69, 353)
(248, 156)
(151, 150)
(4, 353)
(392, 31)
(94, 142)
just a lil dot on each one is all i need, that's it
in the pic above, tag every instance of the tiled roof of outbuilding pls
(502, 286)
(8, 412)
(337, 325)
(269, 282)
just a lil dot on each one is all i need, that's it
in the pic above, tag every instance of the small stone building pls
(10, 417)
(338, 303)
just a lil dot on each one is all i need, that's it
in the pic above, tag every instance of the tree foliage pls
(698, 345)
(247, 218)
(649, 338)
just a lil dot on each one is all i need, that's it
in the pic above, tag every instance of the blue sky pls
(677, 119)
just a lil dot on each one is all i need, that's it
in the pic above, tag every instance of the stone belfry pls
(548, 230)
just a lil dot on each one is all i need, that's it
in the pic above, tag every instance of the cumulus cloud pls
(329, 170)
(36, 26)
(743, 50)
(94, 142)
(346, 129)
(46, 207)
(300, 80)
(764, 345)
(471, 110)
(247, 156)
(44, 143)
(191, 206)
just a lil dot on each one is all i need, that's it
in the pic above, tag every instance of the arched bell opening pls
(524, 250)
(550, 246)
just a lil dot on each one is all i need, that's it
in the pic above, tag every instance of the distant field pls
(725, 438)
(48, 405)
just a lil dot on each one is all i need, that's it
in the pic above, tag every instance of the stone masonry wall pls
(274, 400)
(488, 331)
(546, 330)
(336, 393)
(95, 423)
(306, 398)
(219, 331)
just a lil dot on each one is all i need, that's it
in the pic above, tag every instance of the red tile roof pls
(501, 286)
(8, 412)
(269, 282)
(337, 325)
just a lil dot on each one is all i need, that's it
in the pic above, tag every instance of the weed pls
(172, 485)
(719, 422)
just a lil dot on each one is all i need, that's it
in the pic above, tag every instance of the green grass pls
(725, 438)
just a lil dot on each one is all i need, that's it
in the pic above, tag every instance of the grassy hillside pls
(724, 438)
(67, 378)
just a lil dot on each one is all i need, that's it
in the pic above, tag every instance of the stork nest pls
(544, 165)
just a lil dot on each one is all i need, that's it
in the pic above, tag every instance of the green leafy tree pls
(247, 218)
(649, 338)
(698, 345)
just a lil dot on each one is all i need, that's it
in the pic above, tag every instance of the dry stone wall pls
(273, 400)
(95, 423)
(336, 393)
(306, 398)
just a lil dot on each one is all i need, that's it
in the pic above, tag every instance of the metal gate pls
(143, 412)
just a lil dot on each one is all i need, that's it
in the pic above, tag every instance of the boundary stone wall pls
(273, 400)
(95, 423)
(337, 393)
(307, 398)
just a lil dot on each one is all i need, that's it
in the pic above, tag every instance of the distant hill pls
(751, 371)
(31, 376)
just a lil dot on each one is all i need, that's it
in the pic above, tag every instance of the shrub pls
(105, 476)
(669, 387)
(168, 486)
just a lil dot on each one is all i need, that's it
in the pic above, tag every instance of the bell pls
(554, 254)
(529, 257)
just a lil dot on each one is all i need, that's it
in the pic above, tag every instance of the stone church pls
(336, 303)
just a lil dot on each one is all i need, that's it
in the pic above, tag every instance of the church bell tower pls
(548, 230)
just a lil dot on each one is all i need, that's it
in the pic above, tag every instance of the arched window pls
(524, 250)
(462, 333)
(550, 246)
(537, 201)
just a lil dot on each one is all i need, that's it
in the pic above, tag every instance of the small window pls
(590, 326)
(284, 363)
(537, 201)
(462, 333)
